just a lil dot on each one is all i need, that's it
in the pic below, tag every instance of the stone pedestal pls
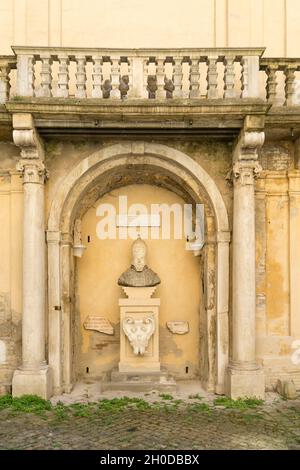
(140, 372)
(139, 306)
(245, 383)
(32, 382)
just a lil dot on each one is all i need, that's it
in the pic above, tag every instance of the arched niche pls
(115, 166)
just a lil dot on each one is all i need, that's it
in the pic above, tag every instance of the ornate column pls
(33, 377)
(244, 376)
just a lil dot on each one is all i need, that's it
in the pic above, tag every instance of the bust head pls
(139, 251)
(139, 274)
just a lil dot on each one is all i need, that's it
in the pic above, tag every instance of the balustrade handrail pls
(280, 62)
(141, 52)
(10, 60)
(147, 73)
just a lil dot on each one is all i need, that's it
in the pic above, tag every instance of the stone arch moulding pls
(59, 240)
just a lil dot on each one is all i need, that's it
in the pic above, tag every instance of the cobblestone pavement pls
(179, 426)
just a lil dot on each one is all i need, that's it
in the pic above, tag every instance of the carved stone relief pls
(139, 331)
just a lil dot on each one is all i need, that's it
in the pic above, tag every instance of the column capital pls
(245, 171)
(33, 171)
(223, 236)
(53, 237)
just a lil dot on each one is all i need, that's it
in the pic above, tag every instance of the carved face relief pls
(139, 331)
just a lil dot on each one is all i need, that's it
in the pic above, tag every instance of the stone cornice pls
(57, 116)
(63, 116)
(130, 106)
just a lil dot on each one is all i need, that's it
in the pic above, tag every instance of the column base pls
(245, 383)
(32, 382)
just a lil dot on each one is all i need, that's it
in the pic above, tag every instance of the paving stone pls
(277, 428)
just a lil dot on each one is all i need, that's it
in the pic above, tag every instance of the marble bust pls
(139, 275)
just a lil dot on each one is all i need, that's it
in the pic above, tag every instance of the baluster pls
(31, 75)
(130, 77)
(194, 79)
(177, 77)
(80, 77)
(145, 78)
(212, 78)
(245, 78)
(250, 77)
(115, 78)
(46, 77)
(160, 76)
(25, 75)
(271, 85)
(290, 85)
(97, 77)
(229, 75)
(4, 83)
(63, 76)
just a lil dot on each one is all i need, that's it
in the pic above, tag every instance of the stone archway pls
(77, 187)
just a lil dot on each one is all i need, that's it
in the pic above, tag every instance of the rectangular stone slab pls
(101, 324)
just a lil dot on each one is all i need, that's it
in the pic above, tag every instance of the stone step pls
(140, 381)
(138, 387)
(160, 376)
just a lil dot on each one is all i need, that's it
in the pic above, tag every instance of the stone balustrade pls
(290, 69)
(7, 64)
(211, 73)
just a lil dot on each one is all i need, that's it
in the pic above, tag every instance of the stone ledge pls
(140, 381)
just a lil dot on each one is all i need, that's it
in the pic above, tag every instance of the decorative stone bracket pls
(26, 137)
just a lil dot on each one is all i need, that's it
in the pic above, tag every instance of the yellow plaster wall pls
(11, 226)
(140, 23)
(98, 272)
(277, 256)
